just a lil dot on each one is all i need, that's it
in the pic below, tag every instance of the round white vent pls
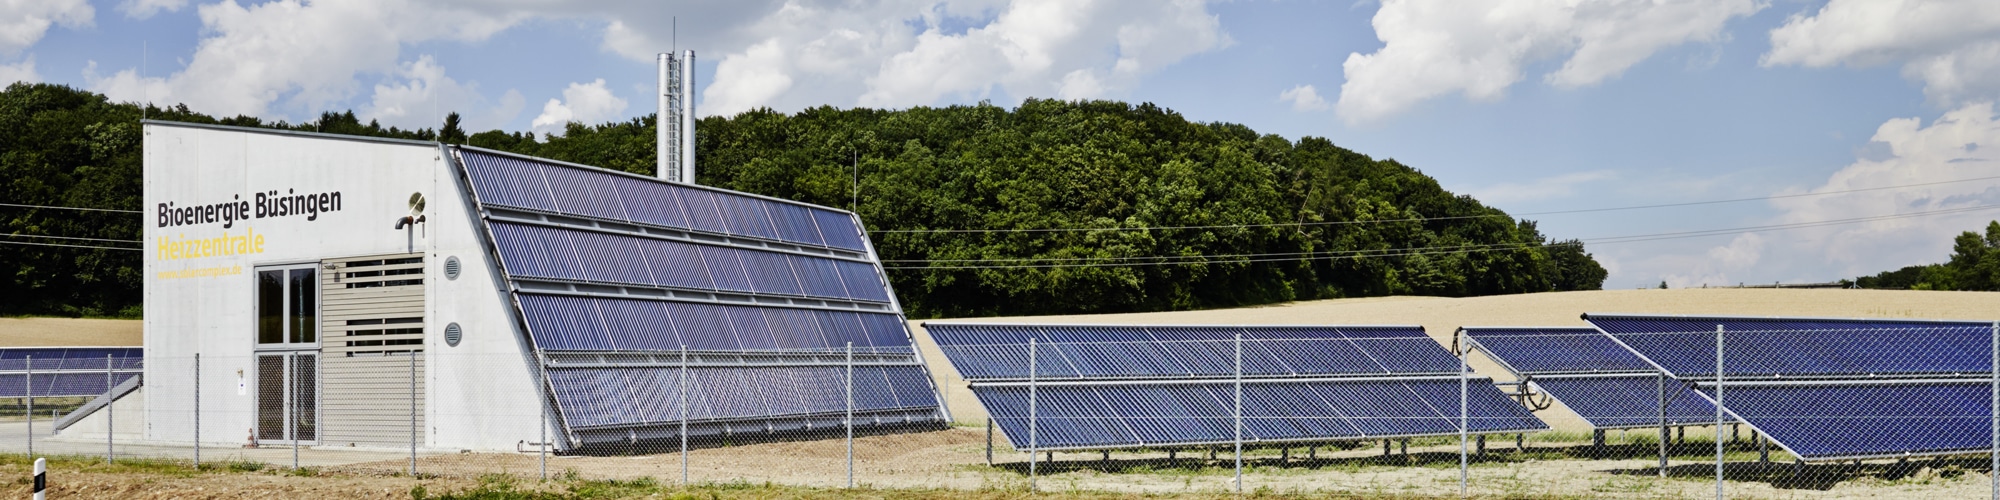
(451, 270)
(452, 334)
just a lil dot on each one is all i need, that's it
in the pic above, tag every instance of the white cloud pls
(23, 22)
(142, 9)
(1304, 98)
(297, 58)
(306, 55)
(23, 71)
(1959, 145)
(894, 53)
(1952, 46)
(1479, 48)
(424, 94)
(1546, 188)
(587, 103)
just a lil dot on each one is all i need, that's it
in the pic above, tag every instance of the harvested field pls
(31, 332)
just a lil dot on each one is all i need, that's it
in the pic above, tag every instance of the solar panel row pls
(1000, 352)
(513, 182)
(1775, 347)
(600, 397)
(15, 385)
(1868, 420)
(1536, 351)
(571, 323)
(1628, 402)
(1107, 416)
(568, 254)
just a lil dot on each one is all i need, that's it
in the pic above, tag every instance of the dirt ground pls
(954, 460)
(32, 332)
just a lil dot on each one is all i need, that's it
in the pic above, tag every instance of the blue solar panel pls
(1550, 350)
(610, 361)
(1779, 347)
(571, 323)
(1821, 422)
(66, 371)
(508, 181)
(1628, 402)
(601, 397)
(568, 254)
(990, 352)
(1076, 416)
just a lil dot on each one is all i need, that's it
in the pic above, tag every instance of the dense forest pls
(1974, 266)
(1049, 208)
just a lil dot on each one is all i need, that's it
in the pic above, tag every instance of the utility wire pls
(69, 238)
(1402, 252)
(1427, 219)
(68, 246)
(72, 208)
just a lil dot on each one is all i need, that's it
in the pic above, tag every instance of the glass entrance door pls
(288, 396)
(288, 353)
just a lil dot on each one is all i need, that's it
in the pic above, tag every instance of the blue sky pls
(1530, 105)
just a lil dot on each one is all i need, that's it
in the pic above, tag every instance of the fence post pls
(110, 415)
(1664, 433)
(31, 405)
(684, 414)
(1718, 412)
(989, 441)
(1464, 422)
(543, 451)
(1032, 370)
(197, 411)
(413, 413)
(850, 415)
(1239, 412)
(1994, 412)
(293, 372)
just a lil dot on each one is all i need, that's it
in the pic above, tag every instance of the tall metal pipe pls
(665, 121)
(687, 116)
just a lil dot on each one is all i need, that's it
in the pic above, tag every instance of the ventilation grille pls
(451, 268)
(452, 333)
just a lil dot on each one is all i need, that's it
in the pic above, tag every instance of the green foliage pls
(1264, 219)
(1974, 266)
(1131, 170)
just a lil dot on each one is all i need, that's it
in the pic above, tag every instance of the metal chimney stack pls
(686, 80)
(675, 149)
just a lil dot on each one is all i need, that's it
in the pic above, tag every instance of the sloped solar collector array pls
(66, 371)
(1592, 375)
(617, 274)
(1100, 386)
(1833, 389)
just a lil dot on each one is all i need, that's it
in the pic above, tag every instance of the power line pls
(68, 246)
(1402, 252)
(68, 238)
(1428, 219)
(72, 208)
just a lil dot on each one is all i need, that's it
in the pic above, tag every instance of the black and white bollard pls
(41, 479)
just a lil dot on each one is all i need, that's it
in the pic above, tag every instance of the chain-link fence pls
(1228, 416)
